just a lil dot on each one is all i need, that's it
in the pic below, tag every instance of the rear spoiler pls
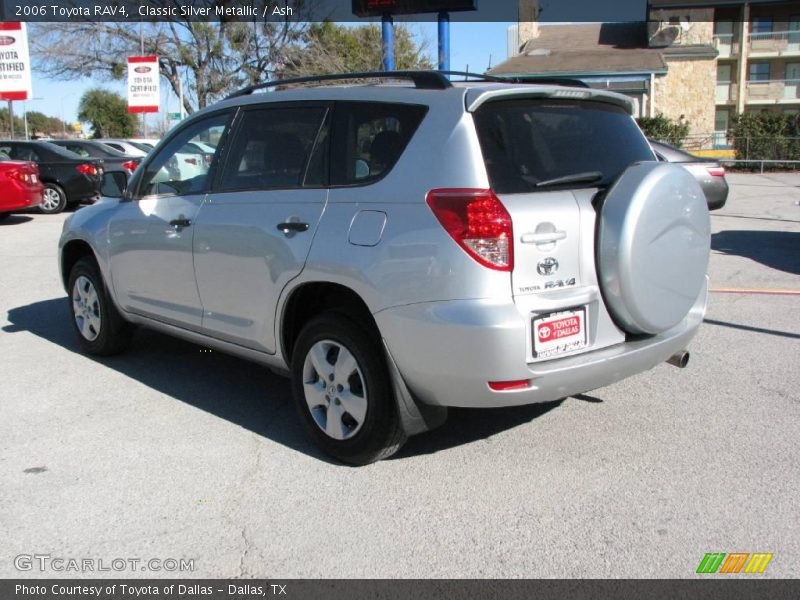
(477, 97)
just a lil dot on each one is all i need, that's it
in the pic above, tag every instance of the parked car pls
(710, 174)
(399, 249)
(127, 147)
(113, 160)
(20, 186)
(68, 179)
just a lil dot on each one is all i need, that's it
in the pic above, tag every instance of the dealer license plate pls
(558, 333)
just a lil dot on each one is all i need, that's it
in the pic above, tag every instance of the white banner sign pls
(144, 93)
(15, 64)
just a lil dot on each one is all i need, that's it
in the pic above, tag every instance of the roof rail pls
(424, 80)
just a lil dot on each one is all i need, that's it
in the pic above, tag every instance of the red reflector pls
(504, 386)
(191, 161)
(716, 171)
(87, 169)
(130, 165)
(478, 222)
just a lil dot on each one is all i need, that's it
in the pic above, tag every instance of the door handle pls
(178, 223)
(292, 226)
(548, 237)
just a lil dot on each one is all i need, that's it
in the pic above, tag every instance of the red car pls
(20, 186)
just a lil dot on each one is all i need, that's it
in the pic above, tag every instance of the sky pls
(477, 46)
(473, 45)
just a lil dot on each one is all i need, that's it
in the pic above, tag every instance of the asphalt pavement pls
(169, 452)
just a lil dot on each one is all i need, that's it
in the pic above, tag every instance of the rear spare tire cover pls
(653, 242)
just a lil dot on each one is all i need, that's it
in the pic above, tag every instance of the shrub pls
(766, 136)
(664, 129)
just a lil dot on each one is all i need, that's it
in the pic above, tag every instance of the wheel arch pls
(71, 253)
(312, 298)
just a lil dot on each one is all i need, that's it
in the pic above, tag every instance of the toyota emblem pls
(548, 266)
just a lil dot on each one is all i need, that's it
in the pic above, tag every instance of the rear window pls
(525, 142)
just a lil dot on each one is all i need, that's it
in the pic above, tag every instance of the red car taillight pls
(478, 222)
(88, 169)
(23, 176)
(716, 171)
(130, 165)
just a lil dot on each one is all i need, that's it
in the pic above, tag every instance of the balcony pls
(726, 45)
(775, 43)
(773, 91)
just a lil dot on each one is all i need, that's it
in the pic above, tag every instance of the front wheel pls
(342, 391)
(100, 328)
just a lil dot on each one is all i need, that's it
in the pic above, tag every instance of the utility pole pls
(388, 42)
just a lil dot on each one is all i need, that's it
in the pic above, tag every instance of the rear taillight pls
(478, 222)
(191, 161)
(23, 176)
(716, 171)
(130, 165)
(88, 169)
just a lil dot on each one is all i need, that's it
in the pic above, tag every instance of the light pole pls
(25, 114)
(63, 121)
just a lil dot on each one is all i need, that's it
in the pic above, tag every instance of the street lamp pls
(25, 113)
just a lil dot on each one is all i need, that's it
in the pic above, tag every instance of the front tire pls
(100, 328)
(54, 199)
(343, 392)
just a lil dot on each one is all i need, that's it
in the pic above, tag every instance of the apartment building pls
(703, 61)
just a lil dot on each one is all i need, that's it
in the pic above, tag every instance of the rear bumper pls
(447, 352)
(21, 198)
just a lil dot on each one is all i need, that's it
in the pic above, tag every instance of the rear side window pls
(24, 153)
(525, 142)
(272, 148)
(369, 138)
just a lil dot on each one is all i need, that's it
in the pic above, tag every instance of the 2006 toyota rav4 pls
(403, 248)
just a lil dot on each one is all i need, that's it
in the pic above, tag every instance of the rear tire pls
(343, 392)
(54, 199)
(100, 328)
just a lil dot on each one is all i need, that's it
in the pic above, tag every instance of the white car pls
(129, 148)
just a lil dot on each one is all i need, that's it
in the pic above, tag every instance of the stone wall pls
(688, 89)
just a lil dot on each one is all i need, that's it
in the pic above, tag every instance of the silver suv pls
(401, 248)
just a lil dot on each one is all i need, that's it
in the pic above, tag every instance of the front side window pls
(272, 149)
(370, 138)
(184, 165)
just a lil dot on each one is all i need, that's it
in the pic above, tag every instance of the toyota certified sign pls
(144, 92)
(15, 64)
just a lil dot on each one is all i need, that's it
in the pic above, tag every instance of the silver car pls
(710, 174)
(400, 249)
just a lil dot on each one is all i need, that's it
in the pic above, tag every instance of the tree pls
(108, 114)
(211, 58)
(41, 123)
(331, 48)
(664, 129)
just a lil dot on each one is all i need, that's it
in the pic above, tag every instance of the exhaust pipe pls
(679, 359)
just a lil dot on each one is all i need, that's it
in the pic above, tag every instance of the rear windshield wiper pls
(585, 177)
